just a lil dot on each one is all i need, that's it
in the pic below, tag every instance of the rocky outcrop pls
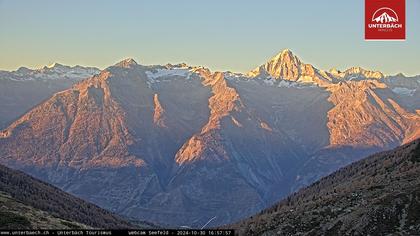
(358, 109)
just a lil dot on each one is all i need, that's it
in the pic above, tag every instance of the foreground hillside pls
(379, 195)
(16, 215)
(27, 203)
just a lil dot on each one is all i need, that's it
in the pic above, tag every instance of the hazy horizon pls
(223, 36)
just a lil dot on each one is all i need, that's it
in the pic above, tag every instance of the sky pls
(233, 35)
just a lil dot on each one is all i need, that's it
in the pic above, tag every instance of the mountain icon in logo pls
(385, 15)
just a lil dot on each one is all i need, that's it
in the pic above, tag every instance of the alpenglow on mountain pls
(179, 145)
(24, 88)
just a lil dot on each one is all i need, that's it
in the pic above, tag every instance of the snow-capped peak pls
(54, 65)
(283, 65)
(53, 71)
(127, 63)
(357, 72)
(286, 56)
(23, 70)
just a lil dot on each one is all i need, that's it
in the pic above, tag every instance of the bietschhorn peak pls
(127, 63)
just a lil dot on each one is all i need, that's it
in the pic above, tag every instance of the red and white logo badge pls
(385, 19)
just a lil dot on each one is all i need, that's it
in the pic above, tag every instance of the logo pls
(385, 19)
(385, 15)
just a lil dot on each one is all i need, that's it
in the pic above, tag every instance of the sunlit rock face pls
(285, 65)
(181, 145)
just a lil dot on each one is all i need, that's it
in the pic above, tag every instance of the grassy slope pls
(16, 215)
(21, 188)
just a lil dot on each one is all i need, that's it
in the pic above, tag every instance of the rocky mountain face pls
(24, 88)
(378, 195)
(181, 145)
(27, 203)
(287, 66)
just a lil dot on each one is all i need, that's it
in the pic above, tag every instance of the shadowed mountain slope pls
(378, 195)
(21, 193)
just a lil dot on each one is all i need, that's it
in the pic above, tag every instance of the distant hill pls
(27, 203)
(379, 195)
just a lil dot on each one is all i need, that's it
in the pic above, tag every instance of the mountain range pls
(180, 145)
(25, 88)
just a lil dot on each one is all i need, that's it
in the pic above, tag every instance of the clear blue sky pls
(234, 35)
